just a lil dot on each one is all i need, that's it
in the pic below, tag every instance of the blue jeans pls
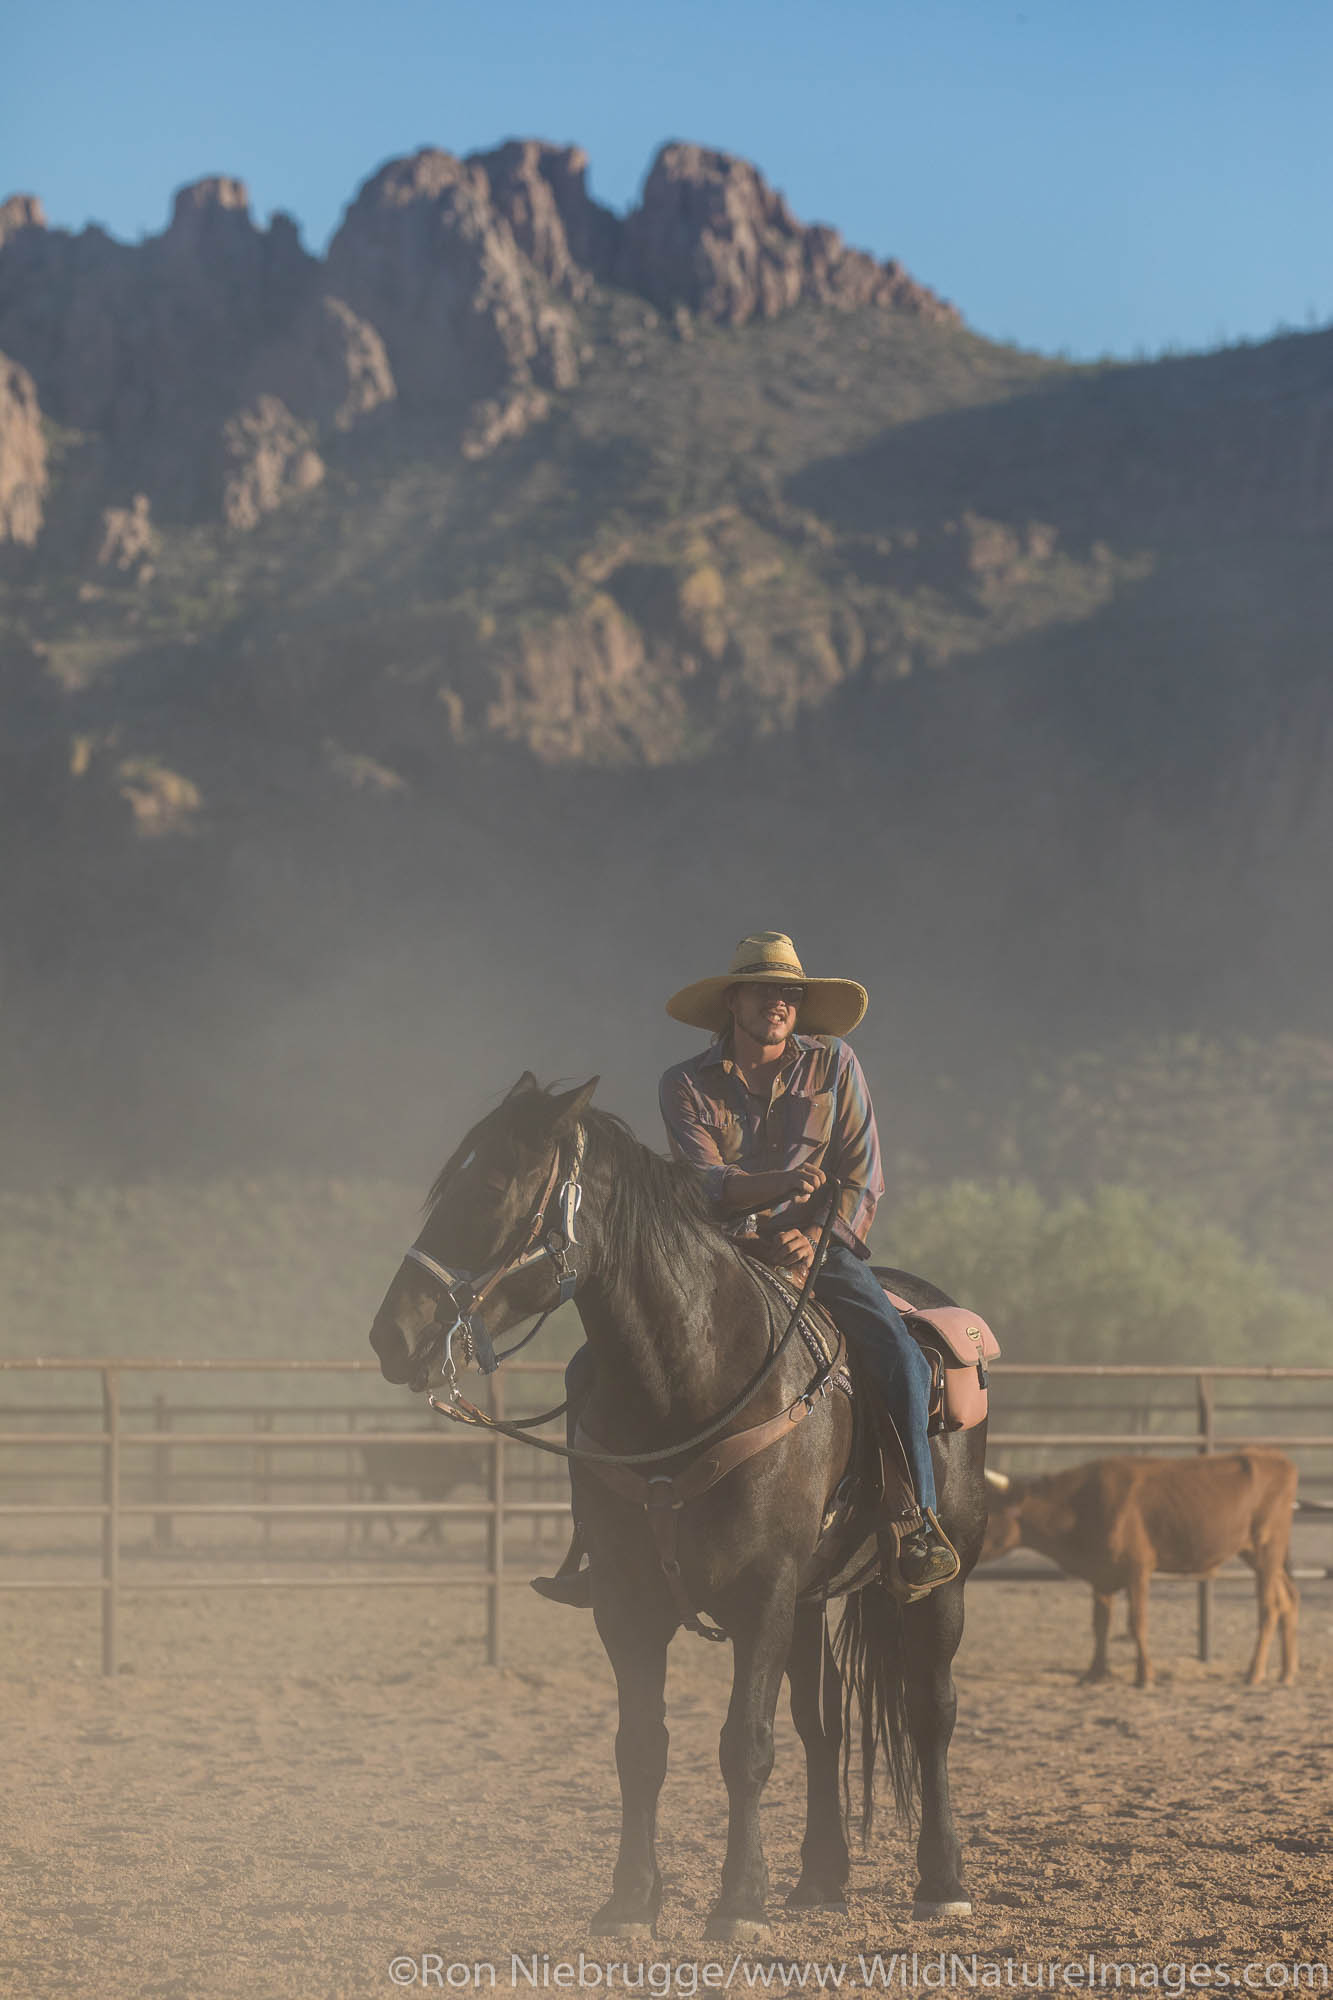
(874, 1329)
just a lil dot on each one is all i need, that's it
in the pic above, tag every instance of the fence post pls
(162, 1524)
(111, 1519)
(354, 1487)
(496, 1535)
(264, 1422)
(1205, 1392)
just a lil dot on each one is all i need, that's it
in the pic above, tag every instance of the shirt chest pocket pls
(809, 1124)
(727, 1132)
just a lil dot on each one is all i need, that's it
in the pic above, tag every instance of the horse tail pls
(871, 1657)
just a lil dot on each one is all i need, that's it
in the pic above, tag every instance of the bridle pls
(465, 1292)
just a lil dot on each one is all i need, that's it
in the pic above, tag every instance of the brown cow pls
(1114, 1521)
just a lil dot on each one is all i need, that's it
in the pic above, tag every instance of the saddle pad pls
(816, 1327)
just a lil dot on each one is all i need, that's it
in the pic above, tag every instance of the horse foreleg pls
(637, 1647)
(933, 1628)
(761, 1627)
(825, 1862)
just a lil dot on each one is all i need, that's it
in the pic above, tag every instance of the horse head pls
(488, 1215)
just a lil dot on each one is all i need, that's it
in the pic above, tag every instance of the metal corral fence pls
(141, 1448)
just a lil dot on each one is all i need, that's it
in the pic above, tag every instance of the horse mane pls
(655, 1203)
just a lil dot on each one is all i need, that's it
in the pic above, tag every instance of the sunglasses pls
(791, 996)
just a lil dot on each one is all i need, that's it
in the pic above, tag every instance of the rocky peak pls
(426, 256)
(712, 235)
(20, 211)
(541, 191)
(199, 206)
(212, 241)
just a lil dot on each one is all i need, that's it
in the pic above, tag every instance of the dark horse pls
(678, 1324)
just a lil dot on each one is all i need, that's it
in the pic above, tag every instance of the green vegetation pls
(288, 1267)
(1237, 1128)
(274, 1266)
(1118, 1276)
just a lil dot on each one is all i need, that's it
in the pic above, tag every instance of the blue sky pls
(1106, 177)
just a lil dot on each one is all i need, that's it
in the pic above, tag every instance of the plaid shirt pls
(820, 1111)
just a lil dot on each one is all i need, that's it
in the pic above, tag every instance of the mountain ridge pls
(214, 357)
(1004, 676)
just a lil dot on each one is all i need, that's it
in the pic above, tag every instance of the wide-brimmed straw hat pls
(830, 1006)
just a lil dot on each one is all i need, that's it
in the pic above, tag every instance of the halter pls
(465, 1292)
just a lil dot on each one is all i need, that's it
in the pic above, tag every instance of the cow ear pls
(570, 1107)
(527, 1082)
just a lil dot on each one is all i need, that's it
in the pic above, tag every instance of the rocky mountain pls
(416, 660)
(211, 360)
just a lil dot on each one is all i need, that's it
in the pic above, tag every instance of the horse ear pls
(525, 1083)
(571, 1106)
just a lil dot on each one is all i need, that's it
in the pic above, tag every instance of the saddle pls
(958, 1344)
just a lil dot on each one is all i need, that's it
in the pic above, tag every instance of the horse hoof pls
(740, 1930)
(611, 1922)
(923, 1912)
(817, 1899)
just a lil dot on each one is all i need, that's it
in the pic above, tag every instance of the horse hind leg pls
(932, 1630)
(816, 1709)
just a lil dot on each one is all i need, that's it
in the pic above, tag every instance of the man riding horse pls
(777, 1104)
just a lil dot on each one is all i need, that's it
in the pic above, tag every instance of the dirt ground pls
(280, 1794)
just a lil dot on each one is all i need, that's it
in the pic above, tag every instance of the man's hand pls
(801, 1182)
(787, 1250)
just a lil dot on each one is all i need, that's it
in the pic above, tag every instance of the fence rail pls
(121, 1446)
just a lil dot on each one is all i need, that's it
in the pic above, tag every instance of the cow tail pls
(871, 1657)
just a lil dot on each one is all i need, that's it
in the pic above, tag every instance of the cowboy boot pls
(570, 1585)
(919, 1556)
